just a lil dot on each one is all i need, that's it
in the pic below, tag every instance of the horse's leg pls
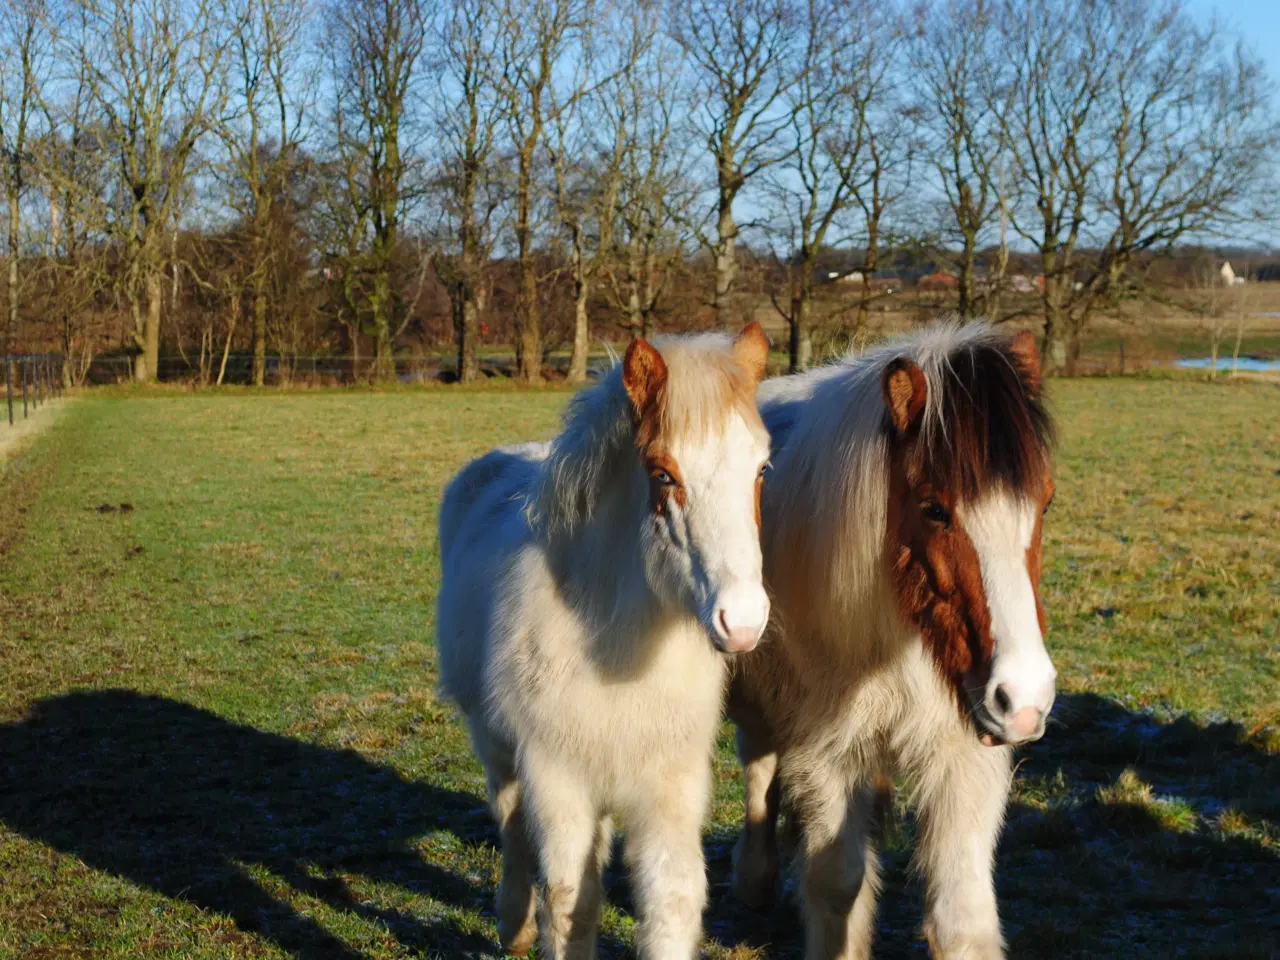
(840, 877)
(755, 856)
(573, 846)
(961, 796)
(668, 876)
(516, 902)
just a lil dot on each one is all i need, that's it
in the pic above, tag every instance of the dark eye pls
(765, 467)
(1046, 507)
(935, 512)
(663, 478)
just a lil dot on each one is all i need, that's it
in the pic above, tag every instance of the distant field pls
(219, 736)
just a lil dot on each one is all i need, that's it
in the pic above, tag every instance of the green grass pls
(219, 736)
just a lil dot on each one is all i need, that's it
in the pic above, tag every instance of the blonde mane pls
(704, 385)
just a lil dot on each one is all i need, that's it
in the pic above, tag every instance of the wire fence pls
(35, 377)
(320, 370)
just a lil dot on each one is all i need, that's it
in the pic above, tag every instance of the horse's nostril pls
(1003, 701)
(724, 626)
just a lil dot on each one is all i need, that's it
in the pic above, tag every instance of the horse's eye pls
(1046, 507)
(935, 512)
(664, 478)
(765, 467)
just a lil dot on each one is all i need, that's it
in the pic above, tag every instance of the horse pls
(902, 540)
(592, 590)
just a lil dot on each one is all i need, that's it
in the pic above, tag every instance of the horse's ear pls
(643, 374)
(905, 392)
(751, 351)
(1026, 357)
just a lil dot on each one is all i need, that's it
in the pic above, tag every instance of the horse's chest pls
(612, 720)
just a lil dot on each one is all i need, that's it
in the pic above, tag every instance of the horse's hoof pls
(519, 942)
(756, 884)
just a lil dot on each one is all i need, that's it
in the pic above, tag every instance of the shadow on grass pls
(179, 800)
(1125, 837)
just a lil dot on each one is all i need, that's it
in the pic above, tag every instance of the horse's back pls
(482, 524)
(783, 400)
(484, 487)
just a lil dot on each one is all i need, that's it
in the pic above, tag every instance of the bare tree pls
(263, 137)
(832, 161)
(643, 237)
(538, 38)
(73, 170)
(375, 47)
(1131, 127)
(155, 74)
(743, 57)
(468, 187)
(952, 61)
(24, 74)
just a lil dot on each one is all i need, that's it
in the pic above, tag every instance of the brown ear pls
(643, 374)
(751, 351)
(1027, 359)
(905, 391)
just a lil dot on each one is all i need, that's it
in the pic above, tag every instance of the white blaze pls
(1001, 526)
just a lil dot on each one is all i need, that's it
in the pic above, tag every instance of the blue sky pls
(1258, 21)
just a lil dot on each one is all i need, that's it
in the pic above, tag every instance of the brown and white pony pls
(591, 588)
(901, 532)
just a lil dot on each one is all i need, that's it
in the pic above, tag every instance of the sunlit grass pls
(219, 735)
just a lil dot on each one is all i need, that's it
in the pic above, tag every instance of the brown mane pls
(987, 425)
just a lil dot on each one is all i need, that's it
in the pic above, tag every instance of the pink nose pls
(737, 639)
(1025, 722)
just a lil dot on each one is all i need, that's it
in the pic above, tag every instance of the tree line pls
(285, 175)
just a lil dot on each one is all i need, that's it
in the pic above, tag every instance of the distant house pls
(939, 281)
(1021, 283)
(844, 276)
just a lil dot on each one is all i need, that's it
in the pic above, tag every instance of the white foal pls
(591, 590)
(902, 526)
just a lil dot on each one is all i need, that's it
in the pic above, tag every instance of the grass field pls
(219, 737)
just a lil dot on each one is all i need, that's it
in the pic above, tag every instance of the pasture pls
(219, 735)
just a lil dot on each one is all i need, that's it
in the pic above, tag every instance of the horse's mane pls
(981, 426)
(703, 386)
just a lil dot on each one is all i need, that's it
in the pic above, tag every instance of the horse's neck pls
(601, 567)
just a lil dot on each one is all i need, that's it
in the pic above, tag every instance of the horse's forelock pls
(985, 425)
(603, 431)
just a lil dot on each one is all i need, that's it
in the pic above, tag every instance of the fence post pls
(8, 385)
(25, 364)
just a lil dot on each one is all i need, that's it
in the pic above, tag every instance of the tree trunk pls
(581, 332)
(868, 269)
(529, 336)
(726, 262)
(147, 363)
(1053, 347)
(801, 332)
(231, 329)
(466, 322)
(11, 331)
(966, 304)
(581, 323)
(259, 329)
(383, 353)
(1074, 336)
